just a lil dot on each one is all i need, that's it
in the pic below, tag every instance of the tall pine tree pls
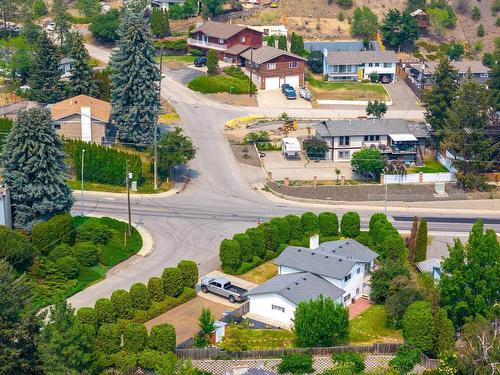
(34, 169)
(160, 23)
(61, 19)
(438, 101)
(81, 80)
(135, 79)
(421, 242)
(45, 73)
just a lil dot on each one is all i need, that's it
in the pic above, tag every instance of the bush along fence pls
(247, 250)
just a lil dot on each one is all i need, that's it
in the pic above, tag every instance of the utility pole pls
(83, 160)
(251, 73)
(128, 177)
(155, 162)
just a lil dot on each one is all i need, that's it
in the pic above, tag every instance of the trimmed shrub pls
(87, 315)
(418, 326)
(122, 304)
(421, 242)
(258, 241)
(68, 267)
(246, 248)
(445, 333)
(162, 338)
(94, 232)
(328, 223)
(109, 338)
(104, 311)
(283, 229)
(295, 224)
(151, 359)
(139, 295)
(271, 236)
(350, 224)
(350, 358)
(125, 362)
(157, 308)
(406, 358)
(135, 337)
(309, 223)
(173, 283)
(86, 254)
(155, 289)
(296, 363)
(15, 247)
(48, 234)
(189, 271)
(60, 251)
(230, 255)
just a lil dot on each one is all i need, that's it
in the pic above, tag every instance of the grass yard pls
(430, 166)
(232, 80)
(261, 339)
(346, 90)
(145, 188)
(261, 273)
(187, 59)
(370, 327)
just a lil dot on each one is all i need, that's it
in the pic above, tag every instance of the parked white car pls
(51, 26)
(305, 93)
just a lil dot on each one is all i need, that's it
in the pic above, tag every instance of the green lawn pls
(347, 90)
(145, 188)
(188, 59)
(430, 166)
(370, 327)
(260, 339)
(232, 80)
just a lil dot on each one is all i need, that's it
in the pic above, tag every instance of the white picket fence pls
(415, 178)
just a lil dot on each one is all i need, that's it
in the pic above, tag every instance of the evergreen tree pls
(421, 242)
(65, 345)
(19, 324)
(494, 81)
(282, 43)
(160, 23)
(399, 29)
(364, 23)
(212, 62)
(45, 73)
(81, 80)
(135, 81)
(34, 169)
(411, 240)
(271, 41)
(61, 19)
(439, 99)
(297, 44)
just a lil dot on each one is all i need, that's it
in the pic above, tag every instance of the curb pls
(168, 193)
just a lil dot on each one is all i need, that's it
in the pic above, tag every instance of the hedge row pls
(175, 45)
(104, 165)
(142, 302)
(266, 241)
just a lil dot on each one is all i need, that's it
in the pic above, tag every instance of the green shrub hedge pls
(105, 311)
(87, 315)
(60, 251)
(48, 234)
(309, 222)
(230, 255)
(104, 165)
(158, 308)
(139, 294)
(162, 338)
(328, 224)
(122, 304)
(353, 359)
(155, 288)
(350, 225)
(173, 283)
(135, 337)
(15, 247)
(94, 232)
(67, 266)
(189, 271)
(109, 338)
(86, 253)
(296, 363)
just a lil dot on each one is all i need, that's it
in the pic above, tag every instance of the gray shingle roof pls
(349, 249)
(429, 264)
(360, 57)
(298, 287)
(349, 45)
(237, 49)
(219, 29)
(266, 53)
(461, 66)
(354, 127)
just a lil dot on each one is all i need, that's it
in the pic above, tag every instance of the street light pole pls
(155, 162)
(83, 160)
(127, 179)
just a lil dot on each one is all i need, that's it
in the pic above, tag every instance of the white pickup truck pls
(224, 288)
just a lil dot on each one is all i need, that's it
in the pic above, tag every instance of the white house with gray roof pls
(358, 65)
(334, 269)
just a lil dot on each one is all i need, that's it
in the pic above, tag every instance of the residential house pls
(397, 139)
(271, 67)
(85, 118)
(165, 4)
(334, 269)
(422, 19)
(358, 65)
(228, 40)
(268, 30)
(420, 74)
(432, 266)
(351, 45)
(65, 65)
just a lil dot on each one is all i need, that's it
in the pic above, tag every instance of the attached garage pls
(271, 83)
(293, 81)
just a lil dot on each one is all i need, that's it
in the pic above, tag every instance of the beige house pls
(85, 118)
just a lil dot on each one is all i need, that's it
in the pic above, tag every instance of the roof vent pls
(304, 279)
(340, 260)
(326, 256)
(296, 283)
(287, 288)
(313, 253)
(299, 250)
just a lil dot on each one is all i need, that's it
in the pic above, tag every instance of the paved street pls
(219, 200)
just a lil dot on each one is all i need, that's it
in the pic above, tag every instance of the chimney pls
(314, 241)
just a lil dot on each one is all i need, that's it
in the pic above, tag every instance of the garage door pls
(292, 80)
(272, 83)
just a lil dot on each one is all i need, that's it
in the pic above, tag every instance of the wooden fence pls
(427, 362)
(216, 353)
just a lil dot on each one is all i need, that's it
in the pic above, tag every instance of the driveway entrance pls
(276, 99)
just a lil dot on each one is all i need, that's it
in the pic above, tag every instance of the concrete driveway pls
(234, 280)
(402, 96)
(276, 99)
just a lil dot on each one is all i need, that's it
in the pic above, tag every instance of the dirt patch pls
(342, 94)
(246, 154)
(237, 100)
(8, 98)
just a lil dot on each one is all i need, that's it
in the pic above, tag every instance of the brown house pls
(272, 67)
(85, 118)
(229, 40)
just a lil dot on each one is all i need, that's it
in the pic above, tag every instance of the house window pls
(370, 65)
(377, 137)
(376, 64)
(358, 270)
(357, 291)
(387, 65)
(279, 308)
(242, 39)
(204, 38)
(271, 66)
(221, 41)
(344, 141)
(347, 298)
(484, 75)
(347, 278)
(57, 126)
(344, 154)
(366, 138)
(293, 64)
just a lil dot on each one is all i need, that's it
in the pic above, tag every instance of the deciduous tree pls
(399, 29)
(174, 148)
(376, 109)
(61, 19)
(105, 26)
(160, 23)
(401, 294)
(368, 162)
(364, 23)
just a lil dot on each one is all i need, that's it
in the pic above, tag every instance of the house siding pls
(282, 70)
(262, 304)
(71, 128)
(246, 37)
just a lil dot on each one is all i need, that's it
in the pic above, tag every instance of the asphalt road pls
(219, 200)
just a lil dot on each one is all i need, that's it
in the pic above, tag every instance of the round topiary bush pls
(189, 271)
(135, 337)
(328, 223)
(149, 359)
(86, 253)
(95, 232)
(67, 266)
(173, 283)
(355, 360)
(140, 297)
(350, 226)
(309, 222)
(295, 224)
(246, 247)
(283, 229)
(125, 362)
(87, 315)
(258, 241)
(162, 338)
(122, 304)
(418, 326)
(230, 255)
(60, 251)
(109, 338)
(104, 311)
(15, 247)
(155, 288)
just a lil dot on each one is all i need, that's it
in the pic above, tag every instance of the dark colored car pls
(290, 93)
(200, 61)
(285, 86)
(385, 79)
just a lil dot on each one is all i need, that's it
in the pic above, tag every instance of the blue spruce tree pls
(81, 81)
(34, 169)
(135, 79)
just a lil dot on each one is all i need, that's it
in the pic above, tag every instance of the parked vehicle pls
(290, 93)
(285, 86)
(51, 26)
(305, 93)
(385, 79)
(200, 61)
(224, 288)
